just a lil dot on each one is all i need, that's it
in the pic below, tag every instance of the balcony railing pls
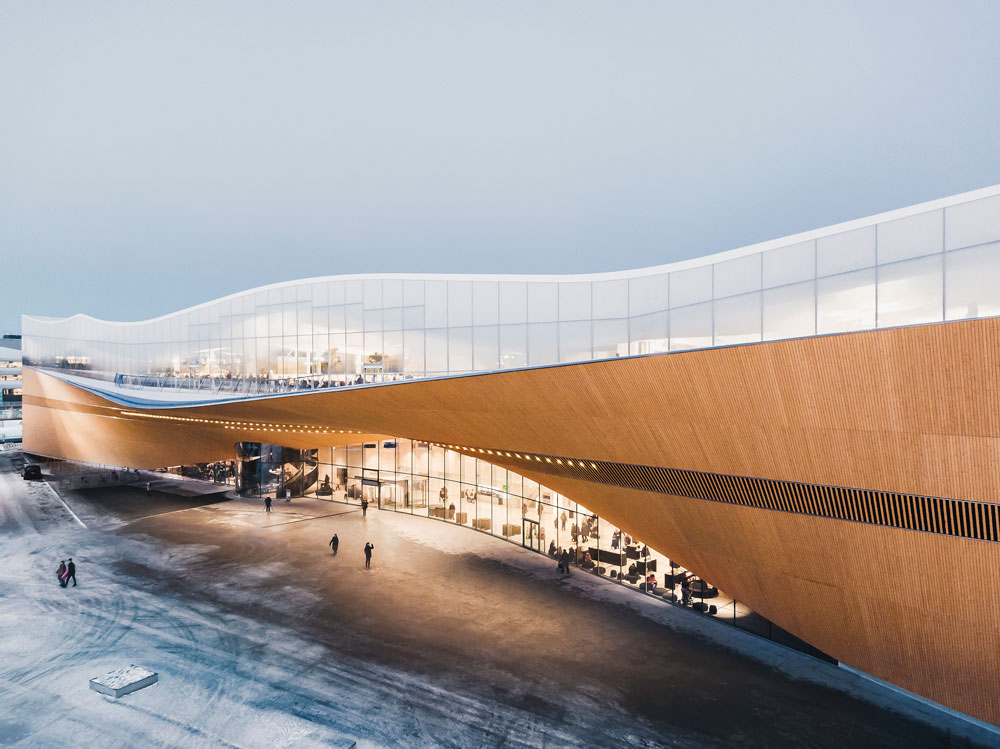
(245, 386)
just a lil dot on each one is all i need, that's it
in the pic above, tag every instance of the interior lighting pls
(593, 466)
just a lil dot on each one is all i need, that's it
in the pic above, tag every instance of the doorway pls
(531, 535)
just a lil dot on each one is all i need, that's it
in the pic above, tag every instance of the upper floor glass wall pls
(908, 267)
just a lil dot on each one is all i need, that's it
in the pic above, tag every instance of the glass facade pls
(428, 480)
(10, 391)
(928, 264)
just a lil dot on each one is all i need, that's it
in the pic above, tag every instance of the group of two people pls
(66, 572)
(369, 547)
(563, 559)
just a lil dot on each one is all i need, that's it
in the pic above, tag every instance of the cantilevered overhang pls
(836, 484)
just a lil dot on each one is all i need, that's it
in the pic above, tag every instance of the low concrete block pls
(124, 681)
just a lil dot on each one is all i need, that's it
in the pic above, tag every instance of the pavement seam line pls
(68, 508)
(317, 517)
(171, 512)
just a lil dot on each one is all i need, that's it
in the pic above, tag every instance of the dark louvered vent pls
(950, 517)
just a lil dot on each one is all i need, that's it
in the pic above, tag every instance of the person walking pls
(61, 573)
(564, 561)
(267, 504)
(335, 544)
(368, 554)
(147, 488)
(70, 572)
(364, 508)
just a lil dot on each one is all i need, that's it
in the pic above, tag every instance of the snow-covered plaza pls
(263, 638)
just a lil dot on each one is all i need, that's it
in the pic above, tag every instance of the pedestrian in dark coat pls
(267, 504)
(61, 573)
(71, 572)
(564, 561)
(364, 507)
(368, 554)
(335, 544)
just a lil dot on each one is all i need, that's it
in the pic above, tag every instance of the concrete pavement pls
(263, 638)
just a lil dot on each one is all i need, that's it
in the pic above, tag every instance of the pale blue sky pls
(159, 154)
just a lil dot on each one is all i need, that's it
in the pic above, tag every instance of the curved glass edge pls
(910, 267)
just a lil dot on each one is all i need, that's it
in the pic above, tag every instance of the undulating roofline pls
(812, 234)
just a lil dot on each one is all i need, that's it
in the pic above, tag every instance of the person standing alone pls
(267, 504)
(71, 572)
(368, 554)
(364, 508)
(335, 544)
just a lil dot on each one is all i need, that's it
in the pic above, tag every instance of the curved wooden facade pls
(905, 416)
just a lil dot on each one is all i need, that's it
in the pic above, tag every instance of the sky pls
(157, 155)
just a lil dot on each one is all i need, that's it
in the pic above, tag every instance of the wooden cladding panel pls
(63, 421)
(911, 410)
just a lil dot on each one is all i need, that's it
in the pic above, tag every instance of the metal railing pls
(248, 385)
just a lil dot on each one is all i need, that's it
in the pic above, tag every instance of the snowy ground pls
(262, 638)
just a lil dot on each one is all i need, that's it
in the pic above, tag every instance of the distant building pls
(10, 389)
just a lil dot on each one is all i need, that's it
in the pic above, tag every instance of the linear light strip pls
(254, 426)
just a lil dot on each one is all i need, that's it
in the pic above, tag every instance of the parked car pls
(31, 472)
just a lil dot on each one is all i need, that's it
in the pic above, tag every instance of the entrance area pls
(531, 536)
(420, 478)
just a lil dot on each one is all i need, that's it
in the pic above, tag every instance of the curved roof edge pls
(770, 244)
